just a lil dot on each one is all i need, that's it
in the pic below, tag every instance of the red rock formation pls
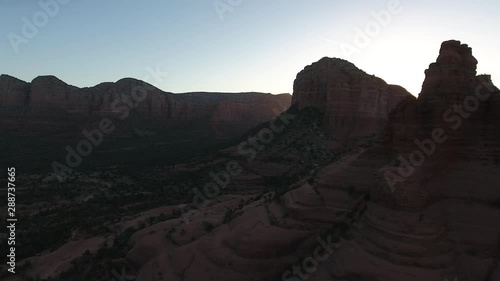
(51, 108)
(46, 94)
(13, 92)
(443, 200)
(354, 102)
(440, 223)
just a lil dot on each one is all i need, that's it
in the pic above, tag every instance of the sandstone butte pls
(439, 222)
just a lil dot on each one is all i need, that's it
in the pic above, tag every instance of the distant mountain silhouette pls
(42, 117)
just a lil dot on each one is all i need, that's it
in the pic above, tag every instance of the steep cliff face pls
(354, 102)
(13, 92)
(53, 114)
(47, 94)
(434, 213)
(454, 99)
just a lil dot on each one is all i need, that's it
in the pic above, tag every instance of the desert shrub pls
(228, 215)
(207, 226)
(351, 191)
(169, 233)
(310, 181)
(421, 217)
(142, 225)
(176, 213)
(151, 220)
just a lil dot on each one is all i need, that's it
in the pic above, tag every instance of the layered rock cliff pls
(53, 114)
(47, 94)
(354, 102)
(441, 191)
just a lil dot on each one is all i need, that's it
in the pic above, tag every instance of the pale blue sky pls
(257, 45)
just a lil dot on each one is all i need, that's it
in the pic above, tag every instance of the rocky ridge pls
(50, 114)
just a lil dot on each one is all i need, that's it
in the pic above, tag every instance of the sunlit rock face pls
(354, 102)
